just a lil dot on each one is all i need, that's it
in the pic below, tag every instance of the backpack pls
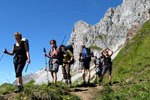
(26, 41)
(88, 54)
(69, 47)
(60, 56)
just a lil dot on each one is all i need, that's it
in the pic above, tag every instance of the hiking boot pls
(19, 89)
(100, 81)
(95, 81)
(49, 84)
(70, 82)
(88, 81)
(66, 81)
(110, 83)
(83, 84)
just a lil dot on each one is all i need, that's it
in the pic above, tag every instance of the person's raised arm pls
(110, 52)
(9, 53)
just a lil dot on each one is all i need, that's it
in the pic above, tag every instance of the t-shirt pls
(67, 56)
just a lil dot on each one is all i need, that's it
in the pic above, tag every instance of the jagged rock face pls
(112, 30)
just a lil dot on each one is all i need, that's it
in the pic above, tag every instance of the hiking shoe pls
(83, 84)
(66, 81)
(95, 82)
(110, 83)
(88, 82)
(49, 84)
(100, 81)
(19, 89)
(70, 82)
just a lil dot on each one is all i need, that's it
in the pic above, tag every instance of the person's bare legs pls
(89, 75)
(52, 77)
(19, 81)
(83, 75)
(55, 77)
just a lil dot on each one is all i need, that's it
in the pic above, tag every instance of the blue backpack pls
(87, 54)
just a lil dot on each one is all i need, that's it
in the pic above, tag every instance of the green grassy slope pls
(131, 70)
(134, 59)
(57, 91)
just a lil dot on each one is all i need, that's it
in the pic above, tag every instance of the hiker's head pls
(53, 43)
(63, 48)
(105, 52)
(18, 36)
(82, 47)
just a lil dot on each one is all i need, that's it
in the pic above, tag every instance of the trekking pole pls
(27, 67)
(44, 50)
(63, 40)
(2, 56)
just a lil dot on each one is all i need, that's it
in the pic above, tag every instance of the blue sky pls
(40, 21)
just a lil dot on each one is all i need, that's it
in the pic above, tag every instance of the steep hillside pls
(134, 59)
(131, 70)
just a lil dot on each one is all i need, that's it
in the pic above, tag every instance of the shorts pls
(105, 68)
(19, 66)
(54, 67)
(85, 64)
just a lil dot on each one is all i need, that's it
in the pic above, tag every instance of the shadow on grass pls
(86, 85)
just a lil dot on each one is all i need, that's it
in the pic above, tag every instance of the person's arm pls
(102, 52)
(71, 55)
(27, 53)
(47, 55)
(55, 51)
(80, 54)
(110, 52)
(9, 53)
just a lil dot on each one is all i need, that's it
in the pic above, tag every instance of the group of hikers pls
(62, 55)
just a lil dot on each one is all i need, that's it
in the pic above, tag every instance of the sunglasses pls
(16, 38)
(52, 43)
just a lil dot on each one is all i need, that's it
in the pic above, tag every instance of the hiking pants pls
(19, 65)
(66, 71)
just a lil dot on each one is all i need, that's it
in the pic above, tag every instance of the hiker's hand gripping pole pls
(44, 50)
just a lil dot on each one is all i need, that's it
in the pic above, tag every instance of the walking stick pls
(44, 50)
(27, 67)
(2, 56)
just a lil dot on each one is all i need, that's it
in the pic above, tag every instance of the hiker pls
(67, 59)
(107, 63)
(98, 67)
(53, 61)
(85, 59)
(21, 55)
